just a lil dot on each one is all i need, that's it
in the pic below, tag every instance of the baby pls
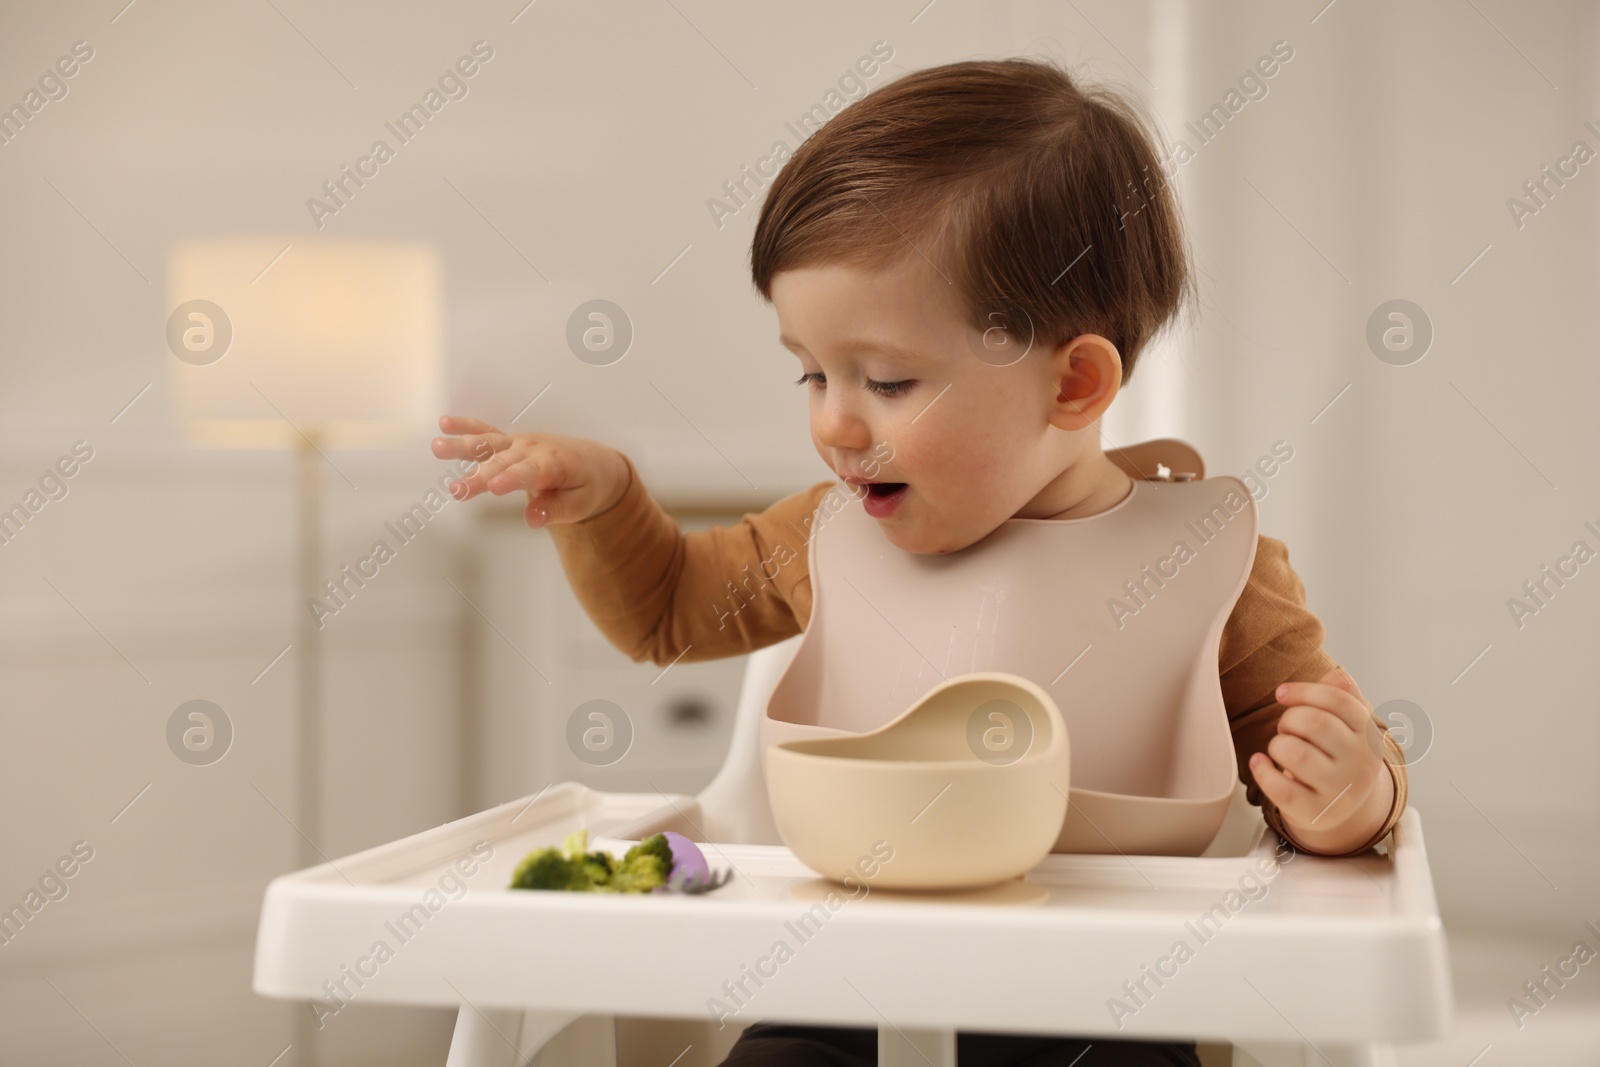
(967, 263)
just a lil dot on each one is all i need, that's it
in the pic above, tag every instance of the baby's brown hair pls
(1003, 174)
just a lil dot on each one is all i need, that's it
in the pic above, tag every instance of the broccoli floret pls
(596, 868)
(644, 866)
(572, 867)
(654, 845)
(639, 873)
(566, 867)
(548, 869)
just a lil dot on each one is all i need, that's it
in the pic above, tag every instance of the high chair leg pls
(900, 1047)
(485, 1038)
(512, 1038)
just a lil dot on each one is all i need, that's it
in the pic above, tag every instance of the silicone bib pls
(1118, 616)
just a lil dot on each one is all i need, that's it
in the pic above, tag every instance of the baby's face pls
(965, 427)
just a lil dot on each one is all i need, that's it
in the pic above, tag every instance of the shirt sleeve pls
(663, 595)
(1272, 638)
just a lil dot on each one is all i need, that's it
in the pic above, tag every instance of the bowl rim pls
(1059, 740)
(961, 765)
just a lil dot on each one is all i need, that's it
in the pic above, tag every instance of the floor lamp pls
(315, 346)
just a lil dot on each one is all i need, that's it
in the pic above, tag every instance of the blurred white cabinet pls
(536, 659)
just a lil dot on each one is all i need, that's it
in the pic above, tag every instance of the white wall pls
(1380, 161)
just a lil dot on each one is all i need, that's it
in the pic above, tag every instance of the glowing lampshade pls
(336, 340)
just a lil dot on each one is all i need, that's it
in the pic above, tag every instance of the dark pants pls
(785, 1045)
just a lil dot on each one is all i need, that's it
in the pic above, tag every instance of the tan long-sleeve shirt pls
(661, 595)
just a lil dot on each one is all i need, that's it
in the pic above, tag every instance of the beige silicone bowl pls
(966, 788)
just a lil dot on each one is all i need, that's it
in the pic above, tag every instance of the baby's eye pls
(881, 388)
(889, 388)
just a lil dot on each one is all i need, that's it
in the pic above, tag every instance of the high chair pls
(1323, 962)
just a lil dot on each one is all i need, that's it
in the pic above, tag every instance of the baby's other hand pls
(567, 479)
(1326, 769)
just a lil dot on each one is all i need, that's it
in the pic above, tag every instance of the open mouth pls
(885, 488)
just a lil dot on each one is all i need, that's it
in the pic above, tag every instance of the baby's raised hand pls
(567, 479)
(1326, 773)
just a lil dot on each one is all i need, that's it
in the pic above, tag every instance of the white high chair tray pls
(1344, 950)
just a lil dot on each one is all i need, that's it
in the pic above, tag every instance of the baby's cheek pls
(908, 452)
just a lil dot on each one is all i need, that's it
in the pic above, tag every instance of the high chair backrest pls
(734, 805)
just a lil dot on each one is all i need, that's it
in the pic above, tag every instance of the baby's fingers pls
(521, 472)
(475, 440)
(483, 477)
(506, 473)
(470, 485)
(464, 424)
(465, 488)
(1285, 792)
(478, 447)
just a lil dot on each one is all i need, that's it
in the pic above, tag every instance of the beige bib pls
(1118, 616)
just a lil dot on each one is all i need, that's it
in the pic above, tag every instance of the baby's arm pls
(1271, 638)
(653, 591)
(658, 593)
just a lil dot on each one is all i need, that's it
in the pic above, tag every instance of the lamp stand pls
(308, 710)
(308, 701)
